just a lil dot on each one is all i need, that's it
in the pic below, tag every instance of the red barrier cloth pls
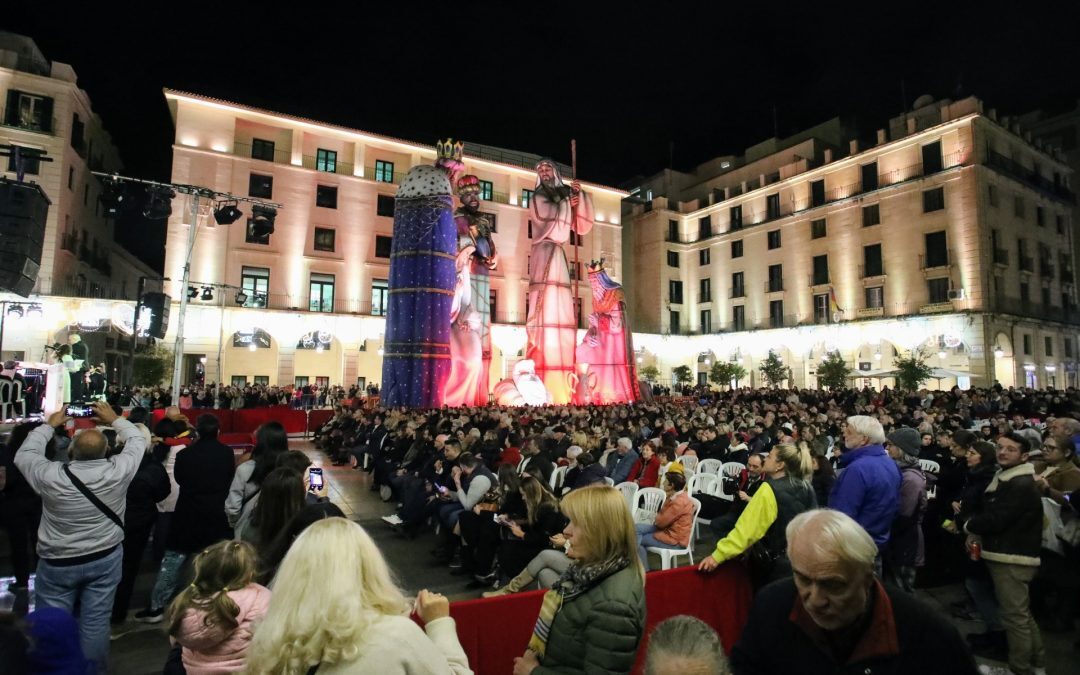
(494, 631)
(249, 419)
(224, 417)
(318, 418)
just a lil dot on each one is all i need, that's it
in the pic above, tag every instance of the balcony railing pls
(86, 288)
(278, 156)
(327, 166)
(774, 286)
(704, 297)
(1019, 172)
(1027, 263)
(939, 260)
(738, 292)
(381, 177)
(871, 271)
(43, 126)
(1068, 314)
(1047, 268)
(818, 279)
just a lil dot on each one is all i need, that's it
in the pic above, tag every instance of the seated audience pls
(674, 523)
(685, 645)
(621, 462)
(646, 469)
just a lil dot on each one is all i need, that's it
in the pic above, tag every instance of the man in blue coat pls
(868, 485)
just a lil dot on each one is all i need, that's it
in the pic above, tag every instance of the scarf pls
(576, 580)
(1024, 469)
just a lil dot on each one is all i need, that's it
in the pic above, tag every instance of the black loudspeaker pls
(23, 210)
(158, 306)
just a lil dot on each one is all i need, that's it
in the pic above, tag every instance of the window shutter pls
(11, 114)
(47, 115)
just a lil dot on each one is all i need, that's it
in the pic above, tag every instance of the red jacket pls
(646, 475)
(511, 456)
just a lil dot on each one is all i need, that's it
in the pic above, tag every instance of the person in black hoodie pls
(20, 506)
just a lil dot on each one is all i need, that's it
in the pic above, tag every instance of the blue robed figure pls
(416, 358)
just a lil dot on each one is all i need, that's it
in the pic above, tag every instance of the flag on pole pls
(834, 305)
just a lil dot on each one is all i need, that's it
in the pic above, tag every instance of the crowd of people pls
(232, 397)
(840, 504)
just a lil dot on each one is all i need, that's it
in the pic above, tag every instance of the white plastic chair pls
(730, 470)
(709, 466)
(668, 555)
(704, 483)
(689, 462)
(647, 503)
(629, 491)
(609, 481)
(557, 478)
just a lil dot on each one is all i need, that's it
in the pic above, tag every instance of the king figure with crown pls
(416, 361)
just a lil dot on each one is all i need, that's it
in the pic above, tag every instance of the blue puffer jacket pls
(868, 489)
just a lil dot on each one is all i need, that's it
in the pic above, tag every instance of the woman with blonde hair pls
(594, 616)
(336, 609)
(786, 493)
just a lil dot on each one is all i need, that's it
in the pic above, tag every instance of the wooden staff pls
(573, 231)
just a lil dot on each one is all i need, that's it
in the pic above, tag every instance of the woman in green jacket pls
(593, 618)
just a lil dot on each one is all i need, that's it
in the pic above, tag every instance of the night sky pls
(626, 82)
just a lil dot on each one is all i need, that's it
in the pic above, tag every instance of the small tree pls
(151, 366)
(773, 369)
(723, 372)
(912, 371)
(833, 372)
(649, 373)
(681, 375)
(738, 372)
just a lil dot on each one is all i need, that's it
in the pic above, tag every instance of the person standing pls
(906, 552)
(81, 356)
(558, 210)
(82, 525)
(868, 485)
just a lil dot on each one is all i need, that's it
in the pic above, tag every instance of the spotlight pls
(192, 292)
(207, 293)
(158, 202)
(262, 220)
(35, 311)
(15, 311)
(112, 198)
(227, 213)
(999, 352)
(241, 297)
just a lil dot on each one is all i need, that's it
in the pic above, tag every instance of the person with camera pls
(82, 523)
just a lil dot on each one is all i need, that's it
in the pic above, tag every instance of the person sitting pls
(674, 523)
(685, 645)
(646, 469)
(528, 536)
(832, 615)
(621, 462)
(335, 576)
(749, 480)
(213, 619)
(587, 472)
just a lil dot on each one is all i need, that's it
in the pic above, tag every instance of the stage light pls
(112, 198)
(15, 310)
(158, 202)
(241, 297)
(192, 292)
(207, 293)
(999, 352)
(35, 311)
(227, 213)
(262, 220)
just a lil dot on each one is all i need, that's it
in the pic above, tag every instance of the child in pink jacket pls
(213, 619)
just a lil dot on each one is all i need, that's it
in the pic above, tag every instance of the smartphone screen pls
(79, 411)
(315, 478)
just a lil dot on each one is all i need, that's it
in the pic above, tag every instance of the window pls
(772, 206)
(383, 245)
(933, 200)
(1025, 291)
(1046, 296)
(487, 190)
(29, 111)
(255, 282)
(1018, 206)
(875, 297)
(872, 266)
(871, 215)
(300, 381)
(1068, 347)
(705, 227)
(324, 239)
(774, 239)
(326, 160)
(672, 259)
(239, 381)
(776, 278)
(938, 290)
(31, 164)
(675, 292)
(736, 248)
(493, 303)
(821, 269)
(821, 308)
(736, 218)
(380, 296)
(776, 314)
(526, 198)
(738, 290)
(1059, 223)
(705, 288)
(260, 186)
(992, 195)
(738, 317)
(71, 178)
(869, 177)
(321, 295)
(817, 228)
(937, 252)
(706, 321)
(262, 149)
(673, 321)
(384, 171)
(1040, 216)
(704, 257)
(931, 158)
(384, 206)
(1027, 345)
(251, 238)
(326, 196)
(817, 192)
(673, 230)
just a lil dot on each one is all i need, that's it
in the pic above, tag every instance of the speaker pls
(23, 211)
(158, 305)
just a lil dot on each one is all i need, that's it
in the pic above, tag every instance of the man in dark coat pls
(204, 471)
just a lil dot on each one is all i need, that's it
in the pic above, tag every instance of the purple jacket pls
(868, 489)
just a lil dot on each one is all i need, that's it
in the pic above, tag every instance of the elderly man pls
(622, 460)
(685, 645)
(835, 616)
(82, 522)
(868, 485)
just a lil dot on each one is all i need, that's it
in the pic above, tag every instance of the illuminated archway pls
(251, 356)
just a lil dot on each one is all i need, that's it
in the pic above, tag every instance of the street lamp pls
(999, 353)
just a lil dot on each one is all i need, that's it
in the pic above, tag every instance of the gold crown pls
(448, 149)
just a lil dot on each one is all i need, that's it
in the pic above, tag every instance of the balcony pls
(83, 288)
(774, 286)
(1020, 173)
(1047, 269)
(69, 242)
(338, 167)
(871, 272)
(704, 297)
(1027, 264)
(1067, 314)
(818, 279)
(278, 156)
(39, 126)
(937, 260)
(738, 292)
(1001, 257)
(778, 321)
(383, 176)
